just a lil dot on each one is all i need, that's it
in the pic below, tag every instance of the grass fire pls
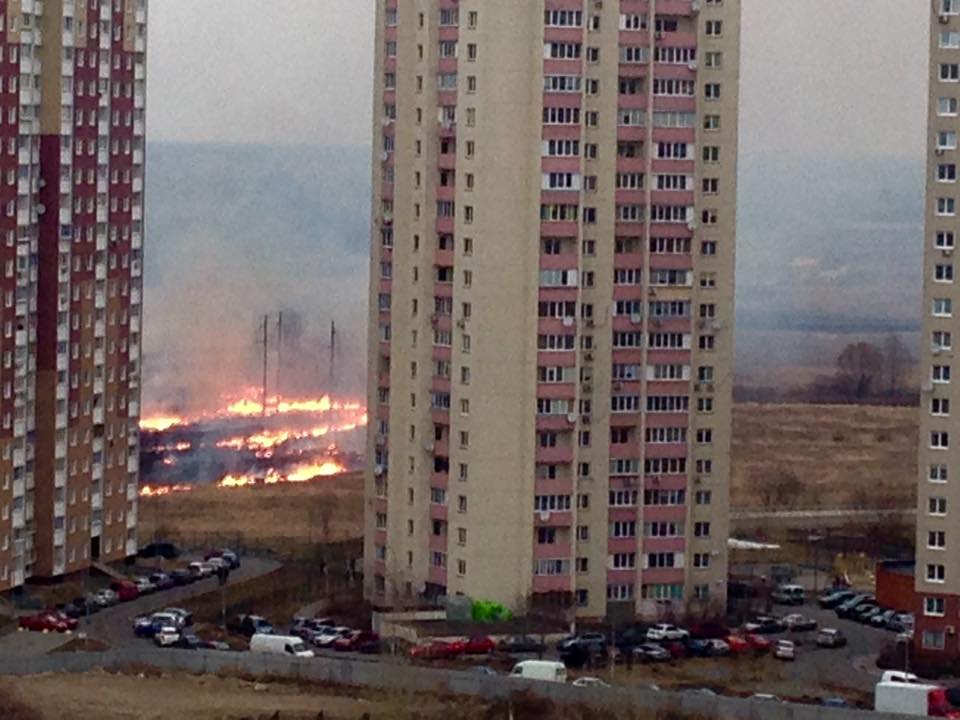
(246, 442)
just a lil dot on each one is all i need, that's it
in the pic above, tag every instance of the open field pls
(843, 456)
(151, 695)
(280, 517)
(799, 456)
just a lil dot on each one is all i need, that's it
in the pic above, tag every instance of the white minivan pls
(547, 670)
(279, 645)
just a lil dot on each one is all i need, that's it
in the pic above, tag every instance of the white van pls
(547, 670)
(279, 645)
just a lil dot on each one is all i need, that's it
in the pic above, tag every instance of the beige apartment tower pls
(938, 494)
(551, 303)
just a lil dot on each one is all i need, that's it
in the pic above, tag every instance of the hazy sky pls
(819, 76)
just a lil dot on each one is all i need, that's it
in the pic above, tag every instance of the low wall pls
(387, 676)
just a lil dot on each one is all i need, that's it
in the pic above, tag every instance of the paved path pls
(114, 625)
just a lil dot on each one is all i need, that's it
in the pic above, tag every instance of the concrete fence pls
(406, 678)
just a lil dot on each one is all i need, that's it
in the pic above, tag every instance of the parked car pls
(86, 604)
(546, 670)
(437, 650)
(279, 645)
(630, 637)
(717, 648)
(182, 577)
(846, 608)
(589, 682)
(184, 617)
(709, 630)
(47, 621)
(765, 625)
(831, 638)
(698, 648)
(162, 581)
(361, 641)
(676, 648)
(479, 645)
(789, 595)
(521, 644)
(593, 642)
(881, 619)
(166, 636)
(785, 650)
(865, 612)
(651, 652)
(901, 623)
(71, 610)
(666, 631)
(105, 598)
(484, 670)
(231, 559)
(166, 550)
(765, 697)
(250, 625)
(799, 623)
(201, 570)
(327, 638)
(149, 625)
(831, 598)
(125, 590)
(144, 586)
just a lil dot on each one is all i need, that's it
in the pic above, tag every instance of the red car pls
(48, 621)
(479, 645)
(758, 643)
(125, 590)
(439, 650)
(738, 645)
(363, 641)
(676, 649)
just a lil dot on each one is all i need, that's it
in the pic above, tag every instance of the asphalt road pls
(114, 625)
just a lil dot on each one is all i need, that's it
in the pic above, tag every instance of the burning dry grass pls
(279, 517)
(842, 455)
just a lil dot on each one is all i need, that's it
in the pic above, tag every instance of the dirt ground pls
(106, 696)
(843, 455)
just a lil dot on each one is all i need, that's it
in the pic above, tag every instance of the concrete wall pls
(390, 676)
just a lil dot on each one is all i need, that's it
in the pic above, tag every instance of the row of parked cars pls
(864, 608)
(304, 635)
(171, 628)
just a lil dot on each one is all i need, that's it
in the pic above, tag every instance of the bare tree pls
(860, 365)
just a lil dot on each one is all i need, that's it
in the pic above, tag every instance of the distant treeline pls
(864, 374)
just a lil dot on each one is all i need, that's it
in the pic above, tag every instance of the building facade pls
(73, 132)
(938, 562)
(551, 322)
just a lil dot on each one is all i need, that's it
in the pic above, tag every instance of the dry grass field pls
(842, 455)
(828, 456)
(281, 517)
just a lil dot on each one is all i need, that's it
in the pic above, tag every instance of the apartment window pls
(947, 106)
(946, 206)
(937, 473)
(711, 91)
(711, 154)
(703, 497)
(944, 240)
(949, 72)
(941, 340)
(936, 506)
(934, 606)
(701, 560)
(936, 573)
(934, 639)
(942, 307)
(949, 7)
(713, 28)
(936, 540)
(940, 374)
(940, 406)
(711, 122)
(946, 172)
(701, 529)
(947, 140)
(939, 440)
(713, 60)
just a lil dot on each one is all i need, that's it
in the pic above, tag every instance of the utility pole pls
(333, 353)
(266, 347)
(276, 388)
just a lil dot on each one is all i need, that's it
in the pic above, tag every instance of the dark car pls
(881, 619)
(162, 581)
(188, 641)
(521, 644)
(698, 647)
(650, 652)
(72, 611)
(361, 641)
(166, 550)
(182, 577)
(250, 625)
(832, 598)
(765, 625)
(593, 642)
(866, 612)
(847, 608)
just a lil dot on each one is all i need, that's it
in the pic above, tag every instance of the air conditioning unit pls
(588, 357)
(939, 151)
(568, 322)
(951, 630)
(944, 19)
(716, 325)
(544, 515)
(948, 252)
(691, 224)
(572, 418)
(378, 470)
(636, 318)
(692, 65)
(695, 6)
(590, 323)
(461, 323)
(585, 419)
(429, 446)
(587, 388)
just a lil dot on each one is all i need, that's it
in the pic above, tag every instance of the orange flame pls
(160, 490)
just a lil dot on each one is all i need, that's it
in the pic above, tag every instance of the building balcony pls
(662, 576)
(552, 583)
(558, 391)
(560, 454)
(562, 518)
(438, 512)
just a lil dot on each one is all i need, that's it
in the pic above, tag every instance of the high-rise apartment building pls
(72, 102)
(938, 496)
(551, 323)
